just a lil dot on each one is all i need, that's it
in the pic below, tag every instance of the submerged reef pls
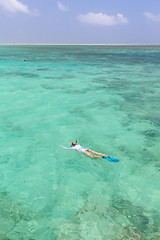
(119, 221)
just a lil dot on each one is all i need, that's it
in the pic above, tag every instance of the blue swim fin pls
(111, 159)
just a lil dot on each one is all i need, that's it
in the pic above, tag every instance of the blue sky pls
(80, 22)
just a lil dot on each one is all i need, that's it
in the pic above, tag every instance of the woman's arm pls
(72, 148)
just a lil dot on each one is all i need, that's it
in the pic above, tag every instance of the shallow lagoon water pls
(108, 98)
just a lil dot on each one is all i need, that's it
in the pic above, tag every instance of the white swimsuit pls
(78, 148)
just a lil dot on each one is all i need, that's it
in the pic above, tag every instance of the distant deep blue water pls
(107, 97)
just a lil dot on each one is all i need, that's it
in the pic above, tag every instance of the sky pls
(80, 21)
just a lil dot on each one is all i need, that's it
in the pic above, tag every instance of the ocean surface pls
(106, 97)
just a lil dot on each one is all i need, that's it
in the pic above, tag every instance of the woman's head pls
(74, 144)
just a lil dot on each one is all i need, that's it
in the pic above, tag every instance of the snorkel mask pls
(75, 142)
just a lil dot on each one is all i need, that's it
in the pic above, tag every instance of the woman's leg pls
(101, 154)
(91, 155)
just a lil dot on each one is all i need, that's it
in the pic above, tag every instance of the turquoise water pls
(108, 98)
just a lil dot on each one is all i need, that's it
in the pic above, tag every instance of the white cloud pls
(62, 7)
(102, 19)
(152, 17)
(14, 6)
